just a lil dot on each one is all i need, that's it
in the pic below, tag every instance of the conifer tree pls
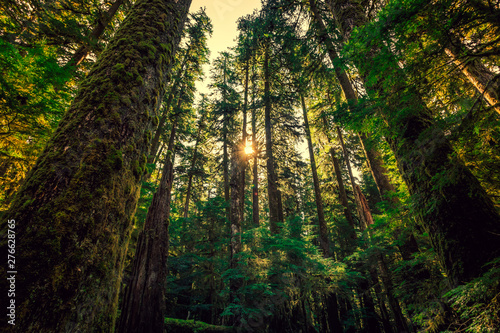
(73, 212)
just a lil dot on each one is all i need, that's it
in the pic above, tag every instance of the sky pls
(224, 14)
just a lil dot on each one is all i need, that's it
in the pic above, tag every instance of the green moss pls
(119, 67)
(191, 326)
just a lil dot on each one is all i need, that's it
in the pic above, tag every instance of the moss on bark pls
(74, 210)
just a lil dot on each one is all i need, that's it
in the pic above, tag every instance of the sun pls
(248, 149)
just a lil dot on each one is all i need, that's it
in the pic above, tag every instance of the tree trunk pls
(272, 179)
(324, 242)
(143, 308)
(485, 81)
(73, 212)
(451, 205)
(399, 319)
(175, 91)
(244, 136)
(193, 164)
(255, 184)
(373, 156)
(362, 217)
(102, 22)
(236, 214)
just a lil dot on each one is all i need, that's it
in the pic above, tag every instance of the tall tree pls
(460, 199)
(73, 212)
(143, 307)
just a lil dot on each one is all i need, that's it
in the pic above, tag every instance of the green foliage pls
(191, 326)
(477, 303)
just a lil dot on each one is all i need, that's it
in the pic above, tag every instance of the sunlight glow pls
(248, 149)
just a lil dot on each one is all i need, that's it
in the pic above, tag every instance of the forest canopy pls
(340, 172)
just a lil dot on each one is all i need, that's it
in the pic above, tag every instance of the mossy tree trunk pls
(143, 307)
(73, 212)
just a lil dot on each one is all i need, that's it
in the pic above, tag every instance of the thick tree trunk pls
(73, 212)
(103, 21)
(143, 307)
(272, 179)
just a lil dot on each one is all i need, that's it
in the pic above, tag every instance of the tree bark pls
(236, 213)
(244, 135)
(73, 212)
(193, 164)
(143, 308)
(272, 179)
(255, 184)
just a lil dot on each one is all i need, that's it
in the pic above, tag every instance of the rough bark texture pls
(74, 210)
(143, 308)
(272, 179)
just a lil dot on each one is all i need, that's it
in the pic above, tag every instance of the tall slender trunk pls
(362, 217)
(324, 242)
(399, 319)
(74, 211)
(485, 81)
(175, 91)
(143, 308)
(460, 218)
(236, 213)
(255, 184)
(272, 179)
(373, 156)
(102, 22)
(244, 136)
(193, 164)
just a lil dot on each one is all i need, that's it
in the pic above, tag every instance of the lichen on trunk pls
(74, 210)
